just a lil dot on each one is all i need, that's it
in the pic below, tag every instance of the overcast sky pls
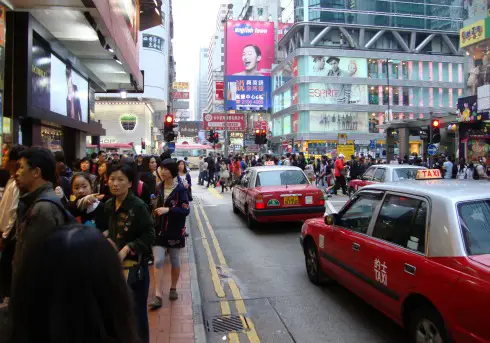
(194, 25)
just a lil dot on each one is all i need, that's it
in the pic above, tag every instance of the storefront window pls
(52, 138)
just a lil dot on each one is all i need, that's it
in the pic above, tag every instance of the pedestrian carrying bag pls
(133, 270)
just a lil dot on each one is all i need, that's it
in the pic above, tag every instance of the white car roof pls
(273, 168)
(397, 166)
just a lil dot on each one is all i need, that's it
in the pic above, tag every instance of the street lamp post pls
(230, 7)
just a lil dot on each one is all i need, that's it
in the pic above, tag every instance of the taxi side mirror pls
(331, 219)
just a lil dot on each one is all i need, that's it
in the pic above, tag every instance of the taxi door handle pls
(356, 247)
(409, 269)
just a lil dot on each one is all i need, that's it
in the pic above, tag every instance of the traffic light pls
(168, 128)
(257, 136)
(216, 137)
(436, 131)
(211, 136)
(143, 145)
(263, 136)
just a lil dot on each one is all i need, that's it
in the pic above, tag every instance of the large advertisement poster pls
(249, 54)
(337, 67)
(56, 87)
(325, 121)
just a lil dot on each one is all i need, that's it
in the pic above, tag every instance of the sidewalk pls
(173, 322)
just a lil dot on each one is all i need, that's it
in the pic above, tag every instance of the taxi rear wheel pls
(251, 222)
(312, 262)
(426, 326)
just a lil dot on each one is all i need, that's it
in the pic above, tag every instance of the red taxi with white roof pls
(419, 251)
(277, 194)
(384, 173)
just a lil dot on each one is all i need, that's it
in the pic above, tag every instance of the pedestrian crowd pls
(77, 241)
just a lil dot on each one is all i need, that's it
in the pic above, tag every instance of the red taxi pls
(384, 173)
(277, 194)
(419, 251)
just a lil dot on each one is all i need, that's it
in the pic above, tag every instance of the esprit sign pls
(220, 121)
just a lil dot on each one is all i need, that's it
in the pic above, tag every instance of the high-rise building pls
(355, 66)
(201, 88)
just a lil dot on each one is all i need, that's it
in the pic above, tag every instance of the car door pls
(366, 178)
(343, 251)
(379, 175)
(242, 191)
(394, 259)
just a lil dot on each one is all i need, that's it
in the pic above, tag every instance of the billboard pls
(180, 85)
(282, 29)
(338, 67)
(249, 54)
(180, 95)
(218, 121)
(326, 121)
(220, 90)
(56, 87)
(189, 128)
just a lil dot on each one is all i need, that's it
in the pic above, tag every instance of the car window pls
(358, 214)
(368, 175)
(379, 175)
(402, 221)
(245, 180)
(400, 174)
(281, 178)
(476, 226)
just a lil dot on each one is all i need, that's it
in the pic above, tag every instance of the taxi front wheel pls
(312, 262)
(426, 325)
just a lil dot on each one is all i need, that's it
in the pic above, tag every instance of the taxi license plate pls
(291, 200)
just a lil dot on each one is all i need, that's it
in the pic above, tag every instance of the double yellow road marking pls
(215, 193)
(218, 287)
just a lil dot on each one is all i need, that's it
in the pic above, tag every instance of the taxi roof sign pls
(269, 163)
(428, 174)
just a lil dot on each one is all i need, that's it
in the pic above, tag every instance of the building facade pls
(201, 88)
(349, 68)
(142, 112)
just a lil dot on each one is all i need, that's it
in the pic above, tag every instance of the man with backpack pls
(40, 210)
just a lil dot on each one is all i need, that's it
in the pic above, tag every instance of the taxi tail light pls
(321, 200)
(259, 202)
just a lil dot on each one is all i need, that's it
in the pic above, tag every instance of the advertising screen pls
(324, 121)
(69, 91)
(249, 50)
(337, 67)
(56, 87)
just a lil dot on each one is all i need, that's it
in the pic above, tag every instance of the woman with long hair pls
(70, 289)
(127, 223)
(101, 183)
(170, 212)
(185, 178)
(149, 173)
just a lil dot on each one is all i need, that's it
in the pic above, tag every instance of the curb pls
(199, 329)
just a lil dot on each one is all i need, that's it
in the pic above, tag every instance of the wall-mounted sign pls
(236, 135)
(472, 34)
(220, 89)
(189, 128)
(180, 85)
(108, 140)
(180, 95)
(218, 121)
(128, 122)
(153, 42)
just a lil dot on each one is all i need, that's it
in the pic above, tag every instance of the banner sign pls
(180, 95)
(218, 121)
(282, 29)
(249, 49)
(180, 85)
(153, 42)
(189, 128)
(220, 90)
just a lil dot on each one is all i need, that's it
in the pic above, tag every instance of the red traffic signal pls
(257, 131)
(436, 123)
(169, 119)
(264, 132)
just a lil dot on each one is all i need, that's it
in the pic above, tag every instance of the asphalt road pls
(259, 277)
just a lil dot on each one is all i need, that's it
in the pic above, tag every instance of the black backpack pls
(67, 216)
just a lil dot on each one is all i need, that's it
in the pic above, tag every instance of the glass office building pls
(351, 65)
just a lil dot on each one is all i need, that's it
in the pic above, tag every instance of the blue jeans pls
(140, 298)
(201, 178)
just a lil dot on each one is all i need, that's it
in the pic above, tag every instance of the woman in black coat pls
(170, 212)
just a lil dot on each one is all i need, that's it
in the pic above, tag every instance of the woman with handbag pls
(170, 212)
(128, 225)
(184, 178)
(224, 176)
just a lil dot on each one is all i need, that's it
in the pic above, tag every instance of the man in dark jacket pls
(36, 218)
(211, 170)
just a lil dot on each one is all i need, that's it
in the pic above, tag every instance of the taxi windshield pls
(281, 178)
(400, 174)
(476, 226)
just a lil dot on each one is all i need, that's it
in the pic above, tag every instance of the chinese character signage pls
(472, 34)
(189, 128)
(180, 95)
(282, 29)
(249, 50)
(153, 42)
(218, 121)
(180, 85)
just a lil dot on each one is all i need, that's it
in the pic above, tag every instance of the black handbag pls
(189, 193)
(135, 273)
